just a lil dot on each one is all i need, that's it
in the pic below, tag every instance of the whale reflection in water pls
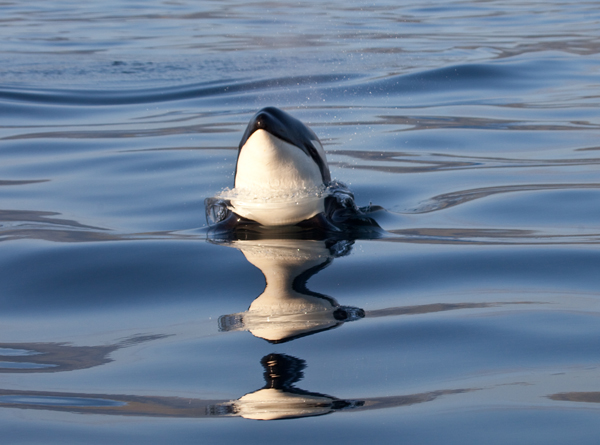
(279, 398)
(287, 309)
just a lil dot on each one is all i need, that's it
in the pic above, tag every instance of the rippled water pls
(472, 319)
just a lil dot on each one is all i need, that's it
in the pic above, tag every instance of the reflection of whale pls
(282, 179)
(279, 398)
(182, 407)
(287, 309)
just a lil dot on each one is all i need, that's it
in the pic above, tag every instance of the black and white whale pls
(279, 150)
(279, 159)
(282, 179)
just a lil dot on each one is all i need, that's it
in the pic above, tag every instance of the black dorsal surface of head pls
(289, 129)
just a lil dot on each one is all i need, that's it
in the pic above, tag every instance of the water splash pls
(274, 196)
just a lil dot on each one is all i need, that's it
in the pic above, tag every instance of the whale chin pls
(278, 214)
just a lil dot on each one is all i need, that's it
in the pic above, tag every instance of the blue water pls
(472, 319)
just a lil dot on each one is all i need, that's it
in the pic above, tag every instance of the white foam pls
(273, 195)
(275, 207)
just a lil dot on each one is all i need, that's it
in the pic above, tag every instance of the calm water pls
(474, 319)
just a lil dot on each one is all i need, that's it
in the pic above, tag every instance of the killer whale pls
(276, 126)
(281, 170)
(282, 183)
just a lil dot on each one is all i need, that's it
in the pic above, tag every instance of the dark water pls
(474, 319)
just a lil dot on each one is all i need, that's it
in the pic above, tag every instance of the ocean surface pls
(471, 127)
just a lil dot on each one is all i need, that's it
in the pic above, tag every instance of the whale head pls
(278, 150)
(281, 170)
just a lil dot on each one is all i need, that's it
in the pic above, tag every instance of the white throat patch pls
(267, 161)
(276, 183)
